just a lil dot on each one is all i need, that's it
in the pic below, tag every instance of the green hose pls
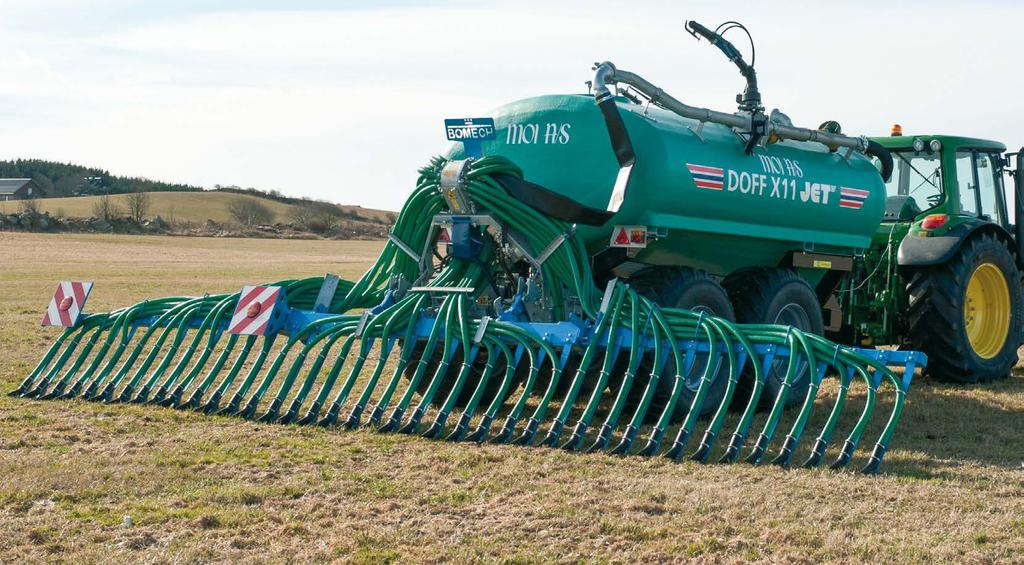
(182, 354)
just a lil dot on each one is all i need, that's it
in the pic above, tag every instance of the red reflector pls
(254, 310)
(934, 221)
(622, 238)
(65, 304)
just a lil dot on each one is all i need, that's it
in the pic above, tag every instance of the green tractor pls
(943, 273)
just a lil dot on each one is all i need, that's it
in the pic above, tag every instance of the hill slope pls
(190, 207)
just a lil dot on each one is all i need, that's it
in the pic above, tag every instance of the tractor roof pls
(953, 141)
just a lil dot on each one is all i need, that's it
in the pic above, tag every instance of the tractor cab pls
(949, 225)
(941, 181)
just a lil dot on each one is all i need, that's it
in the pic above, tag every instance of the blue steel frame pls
(577, 333)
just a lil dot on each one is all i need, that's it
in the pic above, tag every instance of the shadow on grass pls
(954, 425)
(943, 427)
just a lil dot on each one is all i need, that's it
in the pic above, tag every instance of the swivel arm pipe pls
(606, 73)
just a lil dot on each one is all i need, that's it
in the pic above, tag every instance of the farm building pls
(17, 189)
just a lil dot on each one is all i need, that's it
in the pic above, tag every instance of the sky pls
(345, 100)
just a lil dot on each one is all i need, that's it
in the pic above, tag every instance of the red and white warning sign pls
(258, 311)
(68, 301)
(630, 237)
(444, 235)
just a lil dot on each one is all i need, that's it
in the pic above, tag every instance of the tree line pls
(55, 179)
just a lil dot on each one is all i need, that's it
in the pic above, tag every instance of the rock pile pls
(44, 222)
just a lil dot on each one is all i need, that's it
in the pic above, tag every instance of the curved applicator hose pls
(655, 334)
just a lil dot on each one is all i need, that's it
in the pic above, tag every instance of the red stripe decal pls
(854, 192)
(65, 317)
(243, 326)
(260, 330)
(245, 300)
(268, 303)
(79, 290)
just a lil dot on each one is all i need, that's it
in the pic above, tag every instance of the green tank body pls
(723, 210)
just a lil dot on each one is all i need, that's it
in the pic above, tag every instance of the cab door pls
(980, 181)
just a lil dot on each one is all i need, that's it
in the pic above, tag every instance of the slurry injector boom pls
(614, 271)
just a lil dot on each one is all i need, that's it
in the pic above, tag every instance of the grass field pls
(202, 488)
(194, 207)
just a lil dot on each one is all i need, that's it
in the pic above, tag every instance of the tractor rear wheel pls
(691, 289)
(774, 296)
(966, 314)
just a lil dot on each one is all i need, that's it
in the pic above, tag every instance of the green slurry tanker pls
(613, 271)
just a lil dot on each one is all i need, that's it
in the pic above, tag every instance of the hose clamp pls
(405, 248)
(555, 244)
(481, 330)
(453, 186)
(361, 326)
(606, 300)
(700, 322)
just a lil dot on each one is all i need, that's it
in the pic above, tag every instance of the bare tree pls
(249, 212)
(317, 217)
(106, 208)
(138, 205)
(30, 212)
(30, 206)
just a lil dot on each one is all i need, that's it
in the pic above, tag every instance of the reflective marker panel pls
(260, 311)
(66, 305)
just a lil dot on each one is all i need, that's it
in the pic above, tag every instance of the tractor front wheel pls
(966, 313)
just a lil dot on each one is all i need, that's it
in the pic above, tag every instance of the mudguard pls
(917, 251)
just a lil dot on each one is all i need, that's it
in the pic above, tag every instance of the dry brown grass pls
(193, 207)
(204, 488)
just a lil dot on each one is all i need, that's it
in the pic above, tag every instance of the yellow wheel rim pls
(987, 310)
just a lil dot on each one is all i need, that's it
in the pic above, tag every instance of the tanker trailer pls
(570, 273)
(741, 216)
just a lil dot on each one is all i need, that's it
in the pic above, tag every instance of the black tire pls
(450, 376)
(774, 296)
(937, 322)
(692, 289)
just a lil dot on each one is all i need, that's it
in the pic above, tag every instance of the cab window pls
(916, 177)
(980, 186)
(990, 188)
(966, 185)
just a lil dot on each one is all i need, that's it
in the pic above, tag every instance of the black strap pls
(617, 133)
(551, 203)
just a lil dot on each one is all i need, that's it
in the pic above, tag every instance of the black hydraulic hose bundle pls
(875, 149)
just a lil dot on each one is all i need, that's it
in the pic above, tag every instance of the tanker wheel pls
(691, 289)
(966, 314)
(774, 296)
(451, 375)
